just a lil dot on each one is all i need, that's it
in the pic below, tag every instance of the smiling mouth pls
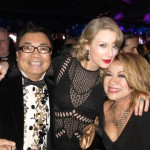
(113, 90)
(37, 63)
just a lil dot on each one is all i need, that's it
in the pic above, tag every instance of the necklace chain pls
(121, 121)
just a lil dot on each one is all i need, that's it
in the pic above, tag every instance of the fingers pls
(7, 148)
(2, 76)
(147, 101)
(136, 108)
(139, 107)
(142, 104)
(3, 72)
(6, 144)
(3, 69)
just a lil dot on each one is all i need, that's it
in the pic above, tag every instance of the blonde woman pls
(125, 79)
(78, 93)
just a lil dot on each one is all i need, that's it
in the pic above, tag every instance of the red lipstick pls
(107, 61)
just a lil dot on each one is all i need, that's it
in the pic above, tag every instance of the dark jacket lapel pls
(50, 85)
(15, 94)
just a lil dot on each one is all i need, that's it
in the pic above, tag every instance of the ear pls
(17, 53)
(87, 45)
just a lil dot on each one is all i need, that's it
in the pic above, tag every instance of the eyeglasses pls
(31, 49)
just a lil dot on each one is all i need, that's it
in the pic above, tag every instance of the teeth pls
(35, 62)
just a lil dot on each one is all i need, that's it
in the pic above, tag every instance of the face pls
(102, 49)
(131, 46)
(4, 44)
(115, 84)
(35, 64)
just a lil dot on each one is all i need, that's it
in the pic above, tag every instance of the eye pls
(133, 49)
(102, 45)
(27, 48)
(108, 74)
(115, 47)
(43, 48)
(121, 76)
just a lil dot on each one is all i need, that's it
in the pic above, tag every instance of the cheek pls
(96, 53)
(105, 85)
(106, 89)
(47, 60)
(125, 86)
(115, 53)
(21, 57)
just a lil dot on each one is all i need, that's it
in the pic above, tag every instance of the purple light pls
(118, 16)
(122, 28)
(147, 18)
(127, 1)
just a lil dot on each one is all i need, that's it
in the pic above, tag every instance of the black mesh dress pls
(79, 97)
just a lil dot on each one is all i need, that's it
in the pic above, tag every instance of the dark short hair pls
(32, 28)
(128, 35)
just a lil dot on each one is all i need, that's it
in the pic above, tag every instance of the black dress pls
(78, 97)
(135, 136)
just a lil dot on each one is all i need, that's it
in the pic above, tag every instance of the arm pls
(141, 105)
(3, 69)
(7, 144)
(143, 130)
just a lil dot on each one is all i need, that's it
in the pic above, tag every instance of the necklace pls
(121, 121)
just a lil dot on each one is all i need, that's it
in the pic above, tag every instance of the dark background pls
(61, 15)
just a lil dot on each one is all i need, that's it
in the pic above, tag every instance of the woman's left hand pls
(142, 105)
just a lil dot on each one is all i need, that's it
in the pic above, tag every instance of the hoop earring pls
(87, 55)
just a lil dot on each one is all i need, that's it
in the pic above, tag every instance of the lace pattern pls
(63, 68)
(70, 122)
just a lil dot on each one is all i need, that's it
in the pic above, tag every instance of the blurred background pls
(62, 16)
(67, 18)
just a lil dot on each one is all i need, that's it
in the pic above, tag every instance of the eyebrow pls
(106, 42)
(42, 44)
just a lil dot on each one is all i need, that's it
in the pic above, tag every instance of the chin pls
(104, 66)
(112, 97)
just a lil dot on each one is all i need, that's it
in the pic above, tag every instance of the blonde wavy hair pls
(92, 29)
(137, 73)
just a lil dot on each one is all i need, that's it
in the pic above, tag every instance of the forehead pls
(116, 66)
(37, 37)
(106, 35)
(3, 34)
(132, 41)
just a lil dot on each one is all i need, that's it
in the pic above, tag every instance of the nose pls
(110, 52)
(113, 80)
